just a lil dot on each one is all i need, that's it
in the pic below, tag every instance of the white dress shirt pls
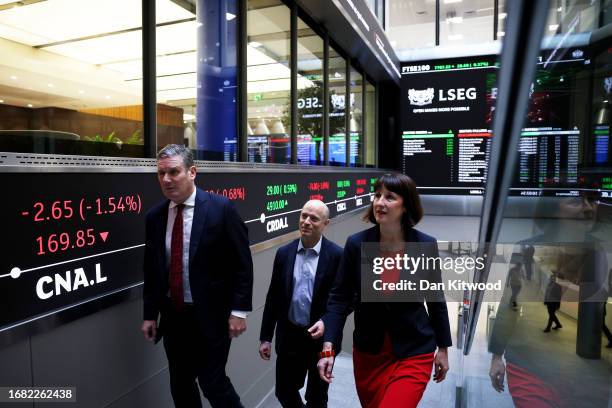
(188, 211)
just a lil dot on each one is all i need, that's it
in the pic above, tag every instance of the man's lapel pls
(198, 223)
(160, 236)
(321, 267)
(289, 265)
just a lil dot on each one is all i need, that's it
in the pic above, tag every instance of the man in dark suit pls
(198, 278)
(303, 273)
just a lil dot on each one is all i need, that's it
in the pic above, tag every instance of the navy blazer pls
(220, 264)
(280, 292)
(413, 329)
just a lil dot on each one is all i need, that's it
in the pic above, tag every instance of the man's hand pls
(317, 329)
(149, 329)
(497, 373)
(326, 364)
(441, 364)
(265, 350)
(237, 326)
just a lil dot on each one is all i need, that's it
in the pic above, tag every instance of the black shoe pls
(557, 327)
(546, 330)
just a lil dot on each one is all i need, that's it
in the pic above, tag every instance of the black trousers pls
(552, 317)
(193, 356)
(292, 368)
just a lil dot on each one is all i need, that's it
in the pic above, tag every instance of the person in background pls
(552, 300)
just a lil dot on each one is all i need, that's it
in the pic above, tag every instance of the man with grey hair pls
(198, 279)
(303, 273)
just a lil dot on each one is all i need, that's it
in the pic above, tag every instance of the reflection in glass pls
(469, 22)
(356, 116)
(269, 81)
(337, 125)
(411, 24)
(72, 85)
(309, 96)
(370, 125)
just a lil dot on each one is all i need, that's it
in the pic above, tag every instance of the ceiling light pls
(456, 20)
(13, 77)
(107, 96)
(501, 33)
(229, 16)
(501, 16)
(559, 8)
(50, 85)
(455, 37)
(81, 91)
(255, 44)
(452, 1)
(553, 27)
(30, 105)
(1, 100)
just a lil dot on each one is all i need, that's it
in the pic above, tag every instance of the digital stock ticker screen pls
(74, 237)
(448, 108)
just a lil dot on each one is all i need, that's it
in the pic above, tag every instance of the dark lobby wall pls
(106, 358)
(389, 140)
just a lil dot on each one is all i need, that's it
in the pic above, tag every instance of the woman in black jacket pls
(393, 342)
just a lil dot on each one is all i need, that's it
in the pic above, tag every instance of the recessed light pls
(501, 33)
(1, 100)
(13, 77)
(50, 85)
(229, 16)
(30, 105)
(81, 91)
(107, 97)
(559, 8)
(553, 27)
(501, 16)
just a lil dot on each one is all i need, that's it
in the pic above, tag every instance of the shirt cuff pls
(240, 314)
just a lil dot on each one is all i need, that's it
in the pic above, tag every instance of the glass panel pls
(309, 95)
(269, 81)
(176, 64)
(356, 122)
(546, 339)
(71, 84)
(466, 22)
(411, 24)
(337, 124)
(370, 125)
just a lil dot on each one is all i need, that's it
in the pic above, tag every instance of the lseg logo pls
(421, 97)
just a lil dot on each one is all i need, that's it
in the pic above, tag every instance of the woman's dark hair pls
(403, 186)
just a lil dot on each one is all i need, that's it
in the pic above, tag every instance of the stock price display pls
(71, 238)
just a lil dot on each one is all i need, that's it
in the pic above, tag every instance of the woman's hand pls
(441, 364)
(326, 364)
(497, 372)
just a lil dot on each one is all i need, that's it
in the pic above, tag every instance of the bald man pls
(303, 273)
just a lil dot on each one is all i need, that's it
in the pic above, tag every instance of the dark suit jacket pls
(280, 292)
(220, 265)
(412, 329)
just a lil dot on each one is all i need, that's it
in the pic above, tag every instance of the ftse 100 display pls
(73, 237)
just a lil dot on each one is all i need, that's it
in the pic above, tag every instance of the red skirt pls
(529, 391)
(383, 381)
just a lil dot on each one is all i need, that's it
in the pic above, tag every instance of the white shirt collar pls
(189, 202)
(317, 247)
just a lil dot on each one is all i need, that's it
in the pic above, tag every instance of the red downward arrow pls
(103, 235)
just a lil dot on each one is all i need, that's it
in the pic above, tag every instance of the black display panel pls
(447, 117)
(74, 237)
